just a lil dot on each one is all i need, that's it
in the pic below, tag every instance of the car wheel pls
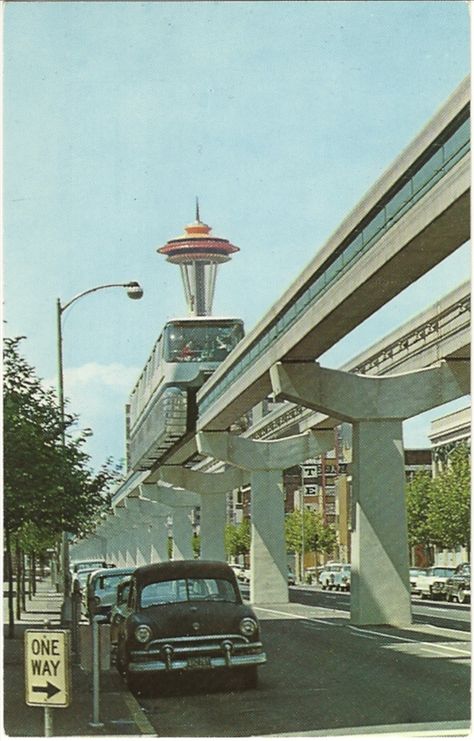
(249, 677)
(449, 596)
(461, 595)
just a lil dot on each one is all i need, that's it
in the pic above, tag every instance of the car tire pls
(449, 597)
(249, 677)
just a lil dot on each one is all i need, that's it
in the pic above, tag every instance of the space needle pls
(198, 255)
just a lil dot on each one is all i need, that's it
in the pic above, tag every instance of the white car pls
(327, 576)
(424, 582)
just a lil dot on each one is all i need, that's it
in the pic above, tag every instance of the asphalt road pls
(324, 674)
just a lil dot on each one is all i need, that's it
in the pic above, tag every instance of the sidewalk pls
(119, 710)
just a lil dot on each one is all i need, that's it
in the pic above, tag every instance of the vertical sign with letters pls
(47, 668)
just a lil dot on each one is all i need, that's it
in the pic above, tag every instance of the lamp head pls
(134, 290)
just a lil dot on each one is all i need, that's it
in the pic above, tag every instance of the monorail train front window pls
(186, 341)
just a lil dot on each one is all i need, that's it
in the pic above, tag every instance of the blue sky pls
(279, 115)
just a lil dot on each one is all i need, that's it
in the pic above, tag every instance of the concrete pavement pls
(120, 712)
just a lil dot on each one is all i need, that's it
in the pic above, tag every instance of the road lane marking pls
(410, 640)
(293, 615)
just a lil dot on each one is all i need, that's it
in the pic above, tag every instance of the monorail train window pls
(186, 341)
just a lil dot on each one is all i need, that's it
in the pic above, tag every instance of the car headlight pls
(143, 633)
(248, 626)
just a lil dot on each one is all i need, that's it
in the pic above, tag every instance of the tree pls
(419, 495)
(48, 484)
(449, 515)
(311, 529)
(237, 538)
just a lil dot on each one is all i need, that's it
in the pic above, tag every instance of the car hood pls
(192, 619)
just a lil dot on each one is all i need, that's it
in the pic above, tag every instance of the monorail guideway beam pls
(265, 462)
(376, 406)
(212, 489)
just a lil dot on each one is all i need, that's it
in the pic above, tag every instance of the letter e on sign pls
(47, 668)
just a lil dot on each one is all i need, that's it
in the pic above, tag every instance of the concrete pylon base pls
(268, 568)
(380, 588)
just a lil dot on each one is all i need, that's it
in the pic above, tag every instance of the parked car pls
(118, 612)
(187, 616)
(458, 586)
(291, 578)
(79, 581)
(414, 574)
(101, 590)
(424, 582)
(326, 577)
(342, 578)
(88, 565)
(243, 575)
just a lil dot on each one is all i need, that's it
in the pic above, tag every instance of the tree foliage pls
(438, 508)
(449, 516)
(48, 484)
(237, 538)
(311, 528)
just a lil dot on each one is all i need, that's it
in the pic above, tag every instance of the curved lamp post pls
(134, 291)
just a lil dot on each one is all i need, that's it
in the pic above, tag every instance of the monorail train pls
(162, 406)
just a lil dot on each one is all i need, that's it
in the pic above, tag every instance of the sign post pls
(47, 672)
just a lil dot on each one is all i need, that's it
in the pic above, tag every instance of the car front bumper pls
(176, 658)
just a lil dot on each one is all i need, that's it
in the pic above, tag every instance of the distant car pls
(414, 574)
(458, 586)
(291, 578)
(424, 582)
(243, 575)
(326, 577)
(118, 612)
(87, 565)
(187, 616)
(101, 591)
(342, 578)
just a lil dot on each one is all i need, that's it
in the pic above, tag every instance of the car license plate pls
(199, 662)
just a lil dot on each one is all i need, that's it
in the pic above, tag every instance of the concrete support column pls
(212, 527)
(182, 534)
(379, 579)
(266, 462)
(159, 539)
(380, 588)
(212, 489)
(178, 503)
(268, 562)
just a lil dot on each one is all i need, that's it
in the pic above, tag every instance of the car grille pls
(199, 644)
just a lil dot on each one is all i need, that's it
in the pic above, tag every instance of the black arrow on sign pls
(50, 689)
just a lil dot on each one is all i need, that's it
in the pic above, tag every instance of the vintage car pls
(101, 590)
(119, 612)
(458, 586)
(438, 574)
(341, 579)
(415, 572)
(184, 616)
(327, 575)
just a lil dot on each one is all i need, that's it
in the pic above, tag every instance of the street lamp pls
(134, 291)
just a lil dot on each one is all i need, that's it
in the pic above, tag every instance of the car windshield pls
(442, 572)
(89, 566)
(187, 590)
(83, 575)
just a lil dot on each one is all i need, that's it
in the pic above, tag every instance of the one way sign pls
(47, 668)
